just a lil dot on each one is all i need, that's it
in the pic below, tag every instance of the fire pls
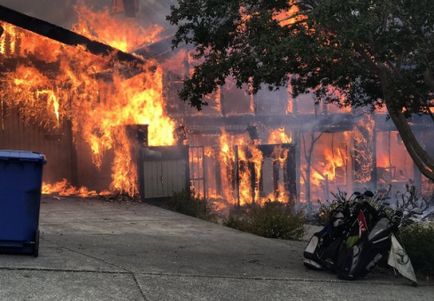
(226, 157)
(241, 157)
(256, 159)
(250, 168)
(245, 184)
(289, 17)
(9, 45)
(383, 157)
(63, 188)
(363, 156)
(279, 136)
(137, 100)
(244, 19)
(238, 155)
(125, 34)
(218, 100)
(53, 102)
(333, 159)
(57, 82)
(279, 155)
(325, 162)
(30, 91)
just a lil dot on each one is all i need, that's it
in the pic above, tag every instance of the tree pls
(353, 52)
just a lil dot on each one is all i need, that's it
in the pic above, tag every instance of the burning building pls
(65, 90)
(76, 95)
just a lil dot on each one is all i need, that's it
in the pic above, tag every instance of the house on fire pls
(334, 148)
(104, 109)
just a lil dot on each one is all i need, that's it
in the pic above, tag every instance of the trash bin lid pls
(22, 156)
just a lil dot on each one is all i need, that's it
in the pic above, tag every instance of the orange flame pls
(226, 158)
(52, 101)
(362, 148)
(289, 17)
(326, 170)
(94, 92)
(63, 188)
(279, 136)
(121, 33)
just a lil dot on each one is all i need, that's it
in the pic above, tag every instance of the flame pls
(100, 99)
(94, 92)
(363, 137)
(9, 45)
(330, 162)
(280, 155)
(209, 152)
(279, 136)
(52, 100)
(383, 158)
(218, 100)
(257, 160)
(63, 188)
(244, 18)
(226, 156)
(32, 93)
(249, 159)
(241, 161)
(245, 184)
(290, 16)
(122, 33)
(123, 173)
(250, 169)
(137, 100)
(326, 170)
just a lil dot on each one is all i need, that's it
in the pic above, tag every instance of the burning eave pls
(67, 37)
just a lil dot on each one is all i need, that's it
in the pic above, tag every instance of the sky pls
(61, 12)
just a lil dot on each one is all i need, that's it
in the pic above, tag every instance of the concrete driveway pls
(97, 250)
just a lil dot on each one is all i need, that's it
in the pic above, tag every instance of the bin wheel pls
(36, 245)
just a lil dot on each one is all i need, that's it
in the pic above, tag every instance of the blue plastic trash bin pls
(20, 198)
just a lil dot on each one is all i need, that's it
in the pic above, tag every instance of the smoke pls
(53, 11)
(155, 12)
(61, 12)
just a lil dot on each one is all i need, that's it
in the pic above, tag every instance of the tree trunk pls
(421, 158)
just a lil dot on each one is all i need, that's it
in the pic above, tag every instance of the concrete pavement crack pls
(63, 270)
(126, 271)
(93, 257)
(139, 286)
(133, 275)
(294, 279)
(235, 277)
